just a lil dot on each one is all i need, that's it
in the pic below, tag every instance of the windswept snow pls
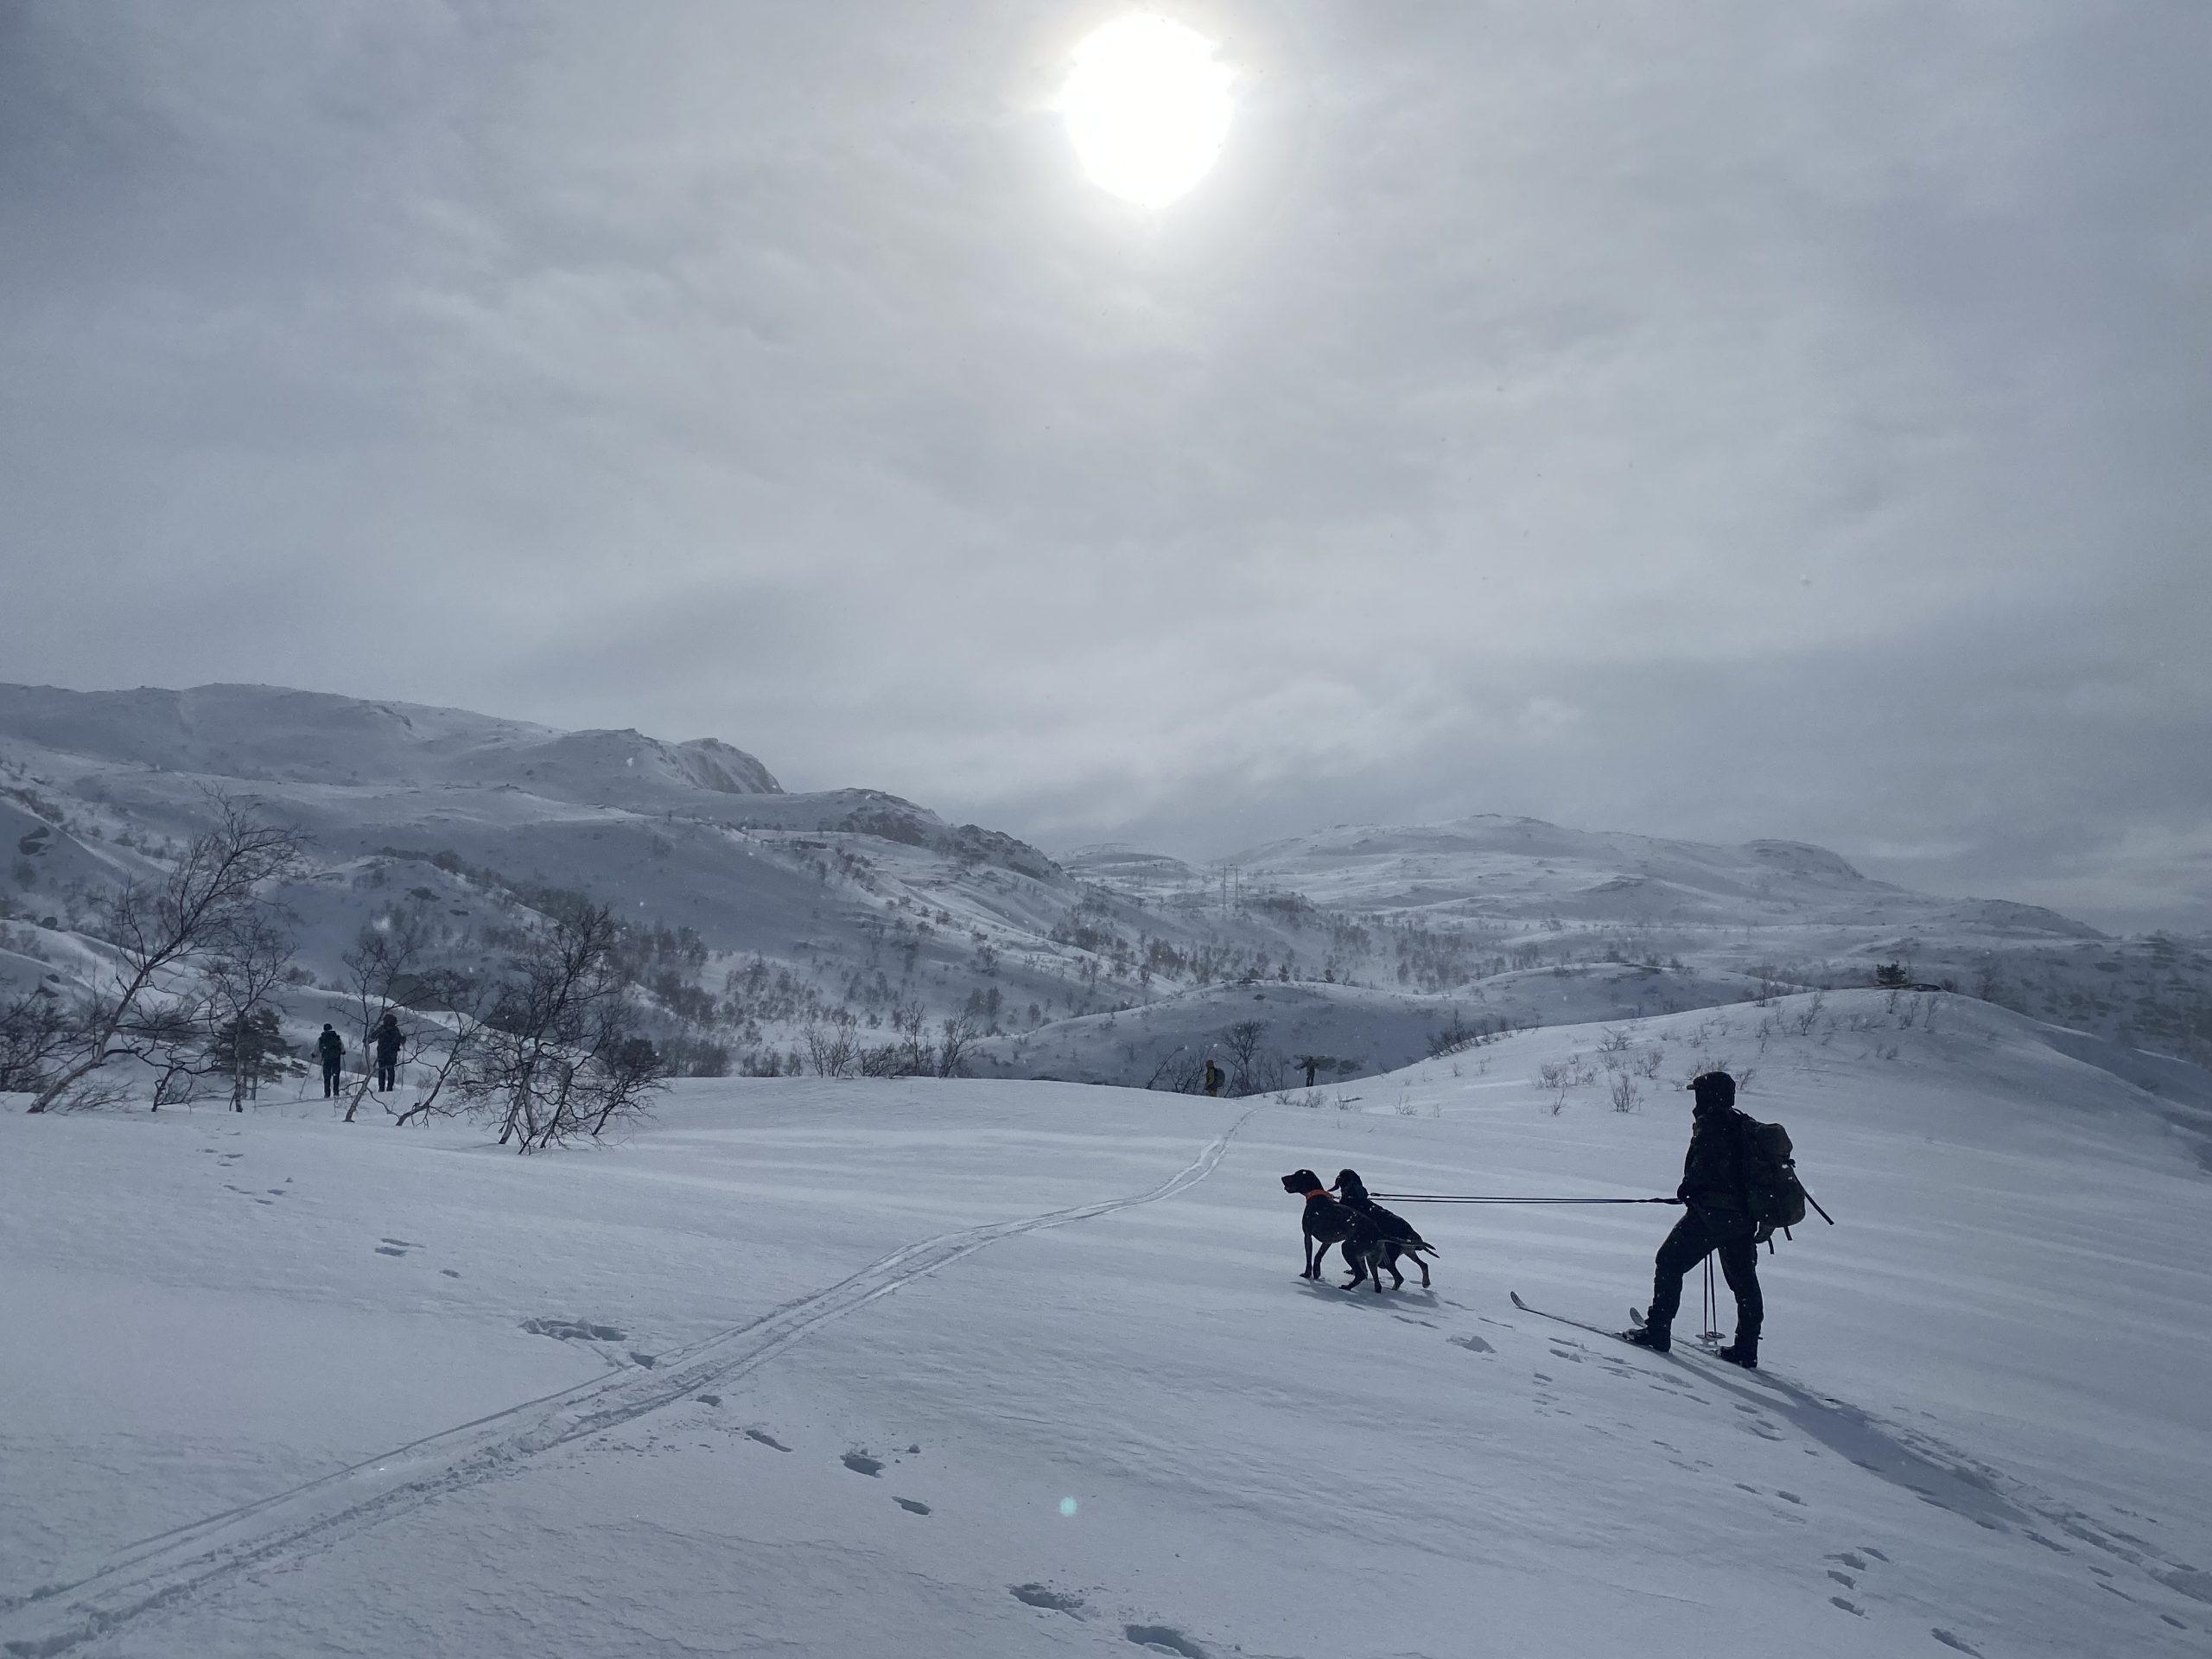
(957, 1368)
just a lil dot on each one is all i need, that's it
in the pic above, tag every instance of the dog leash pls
(1473, 1197)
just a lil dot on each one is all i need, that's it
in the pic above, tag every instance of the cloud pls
(1761, 423)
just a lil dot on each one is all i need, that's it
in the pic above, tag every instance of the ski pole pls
(1815, 1202)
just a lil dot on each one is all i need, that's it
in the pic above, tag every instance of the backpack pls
(1770, 1179)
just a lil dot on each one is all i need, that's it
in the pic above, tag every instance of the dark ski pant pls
(1699, 1234)
(387, 1072)
(329, 1079)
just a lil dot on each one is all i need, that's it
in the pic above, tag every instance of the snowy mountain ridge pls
(1497, 866)
(1113, 964)
(273, 735)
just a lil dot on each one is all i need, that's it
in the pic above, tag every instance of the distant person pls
(388, 1041)
(332, 1047)
(1717, 1218)
(1215, 1076)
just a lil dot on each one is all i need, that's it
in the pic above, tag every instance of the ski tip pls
(1517, 1302)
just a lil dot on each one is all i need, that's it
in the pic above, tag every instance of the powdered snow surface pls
(979, 1367)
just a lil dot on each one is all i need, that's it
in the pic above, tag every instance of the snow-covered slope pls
(857, 898)
(272, 734)
(1480, 890)
(1351, 1030)
(852, 903)
(972, 1367)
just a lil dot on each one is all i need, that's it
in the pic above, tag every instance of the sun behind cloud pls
(1147, 106)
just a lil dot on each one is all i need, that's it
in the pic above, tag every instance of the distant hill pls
(780, 916)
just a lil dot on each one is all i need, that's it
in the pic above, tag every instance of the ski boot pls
(1743, 1351)
(1656, 1338)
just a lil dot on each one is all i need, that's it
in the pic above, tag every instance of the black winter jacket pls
(1714, 1172)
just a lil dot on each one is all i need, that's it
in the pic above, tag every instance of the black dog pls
(1395, 1233)
(1327, 1222)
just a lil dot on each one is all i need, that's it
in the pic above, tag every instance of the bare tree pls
(915, 1057)
(830, 1045)
(381, 963)
(957, 1035)
(1242, 1043)
(152, 1007)
(559, 1055)
(1178, 1073)
(243, 974)
(35, 1031)
(441, 1042)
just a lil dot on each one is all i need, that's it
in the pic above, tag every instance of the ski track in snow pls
(169, 1566)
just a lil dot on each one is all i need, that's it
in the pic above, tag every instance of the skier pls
(332, 1047)
(388, 1042)
(1717, 1217)
(1215, 1076)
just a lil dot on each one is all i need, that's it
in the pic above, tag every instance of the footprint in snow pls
(1472, 1345)
(860, 1463)
(387, 1249)
(1838, 1601)
(2192, 1583)
(1163, 1639)
(572, 1330)
(710, 1399)
(405, 1243)
(1790, 1497)
(911, 1506)
(766, 1439)
(1953, 1642)
(449, 1273)
(646, 1360)
(1851, 1559)
(1843, 1578)
(1041, 1595)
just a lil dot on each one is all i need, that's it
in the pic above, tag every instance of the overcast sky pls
(1723, 419)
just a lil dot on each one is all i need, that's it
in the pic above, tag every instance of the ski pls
(1595, 1330)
